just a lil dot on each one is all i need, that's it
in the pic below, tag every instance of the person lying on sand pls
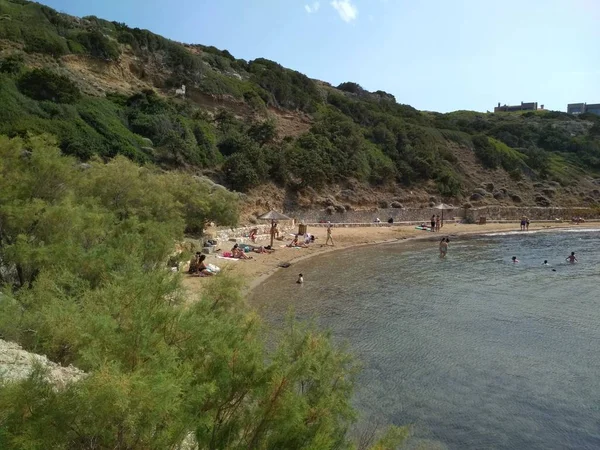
(238, 253)
(263, 249)
(295, 243)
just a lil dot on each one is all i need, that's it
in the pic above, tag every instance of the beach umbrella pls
(273, 216)
(443, 207)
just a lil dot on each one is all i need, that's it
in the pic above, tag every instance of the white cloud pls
(347, 11)
(312, 8)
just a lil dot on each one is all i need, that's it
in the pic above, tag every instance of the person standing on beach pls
(433, 223)
(329, 236)
(527, 223)
(437, 223)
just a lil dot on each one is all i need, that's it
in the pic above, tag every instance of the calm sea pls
(474, 351)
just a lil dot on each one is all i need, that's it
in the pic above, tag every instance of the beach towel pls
(228, 258)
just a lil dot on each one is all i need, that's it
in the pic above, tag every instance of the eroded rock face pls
(17, 364)
(540, 200)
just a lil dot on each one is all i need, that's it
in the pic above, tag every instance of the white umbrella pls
(273, 216)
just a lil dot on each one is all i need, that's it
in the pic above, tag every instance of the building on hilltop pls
(531, 106)
(582, 108)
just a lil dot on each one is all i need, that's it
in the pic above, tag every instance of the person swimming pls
(571, 258)
(515, 260)
(300, 279)
(545, 263)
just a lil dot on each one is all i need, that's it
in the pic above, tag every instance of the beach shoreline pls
(254, 272)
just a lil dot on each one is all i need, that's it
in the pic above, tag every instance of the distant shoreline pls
(481, 231)
(254, 272)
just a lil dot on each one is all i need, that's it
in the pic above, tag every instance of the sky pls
(436, 55)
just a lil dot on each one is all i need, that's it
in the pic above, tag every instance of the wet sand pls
(254, 271)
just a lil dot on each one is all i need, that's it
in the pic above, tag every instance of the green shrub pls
(98, 45)
(43, 84)
(240, 173)
(47, 43)
(349, 86)
(12, 64)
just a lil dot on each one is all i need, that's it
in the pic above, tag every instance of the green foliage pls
(98, 45)
(42, 84)
(12, 64)
(289, 89)
(82, 253)
(368, 137)
(40, 42)
(349, 86)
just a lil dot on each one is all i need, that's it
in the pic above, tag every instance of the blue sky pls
(439, 55)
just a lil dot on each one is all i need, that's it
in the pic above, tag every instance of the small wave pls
(549, 230)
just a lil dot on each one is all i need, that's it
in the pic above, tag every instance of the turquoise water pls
(474, 351)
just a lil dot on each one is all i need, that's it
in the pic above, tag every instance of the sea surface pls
(474, 351)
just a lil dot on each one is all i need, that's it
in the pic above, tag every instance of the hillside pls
(105, 89)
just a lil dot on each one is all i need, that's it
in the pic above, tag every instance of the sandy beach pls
(256, 270)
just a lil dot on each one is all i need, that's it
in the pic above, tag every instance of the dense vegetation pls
(83, 265)
(356, 134)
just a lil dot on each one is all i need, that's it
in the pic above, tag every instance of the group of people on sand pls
(436, 223)
(198, 266)
(274, 232)
(572, 259)
(524, 223)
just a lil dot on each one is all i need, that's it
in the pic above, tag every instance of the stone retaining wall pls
(533, 213)
(406, 216)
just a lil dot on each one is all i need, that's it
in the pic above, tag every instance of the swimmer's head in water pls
(545, 261)
(514, 258)
(572, 253)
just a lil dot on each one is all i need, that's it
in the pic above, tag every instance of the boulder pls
(590, 200)
(384, 204)
(330, 210)
(480, 191)
(347, 194)
(396, 205)
(467, 205)
(340, 208)
(476, 197)
(499, 195)
(540, 200)
(549, 192)
(516, 198)
(489, 186)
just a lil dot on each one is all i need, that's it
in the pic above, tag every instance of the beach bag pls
(212, 268)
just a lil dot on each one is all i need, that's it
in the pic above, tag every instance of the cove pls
(474, 351)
